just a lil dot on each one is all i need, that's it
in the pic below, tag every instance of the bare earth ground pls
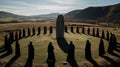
(40, 43)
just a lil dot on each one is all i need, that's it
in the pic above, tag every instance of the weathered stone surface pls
(60, 27)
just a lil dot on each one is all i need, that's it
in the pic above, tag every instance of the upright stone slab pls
(60, 26)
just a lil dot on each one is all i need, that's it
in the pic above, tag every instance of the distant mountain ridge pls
(95, 13)
(51, 16)
(42, 17)
(4, 14)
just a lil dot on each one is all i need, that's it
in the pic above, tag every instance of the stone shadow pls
(117, 50)
(118, 43)
(114, 64)
(7, 47)
(4, 55)
(63, 44)
(17, 55)
(114, 54)
(2, 49)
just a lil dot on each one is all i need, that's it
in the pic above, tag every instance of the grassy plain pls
(40, 43)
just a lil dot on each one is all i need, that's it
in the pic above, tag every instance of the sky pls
(36, 7)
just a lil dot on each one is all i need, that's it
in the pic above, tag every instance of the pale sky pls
(36, 7)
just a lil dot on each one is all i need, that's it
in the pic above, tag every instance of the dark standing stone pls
(51, 56)
(16, 35)
(45, 29)
(72, 29)
(60, 27)
(111, 45)
(24, 33)
(88, 31)
(66, 29)
(29, 32)
(93, 31)
(83, 29)
(107, 35)
(11, 37)
(77, 29)
(70, 56)
(101, 48)
(39, 30)
(30, 51)
(7, 44)
(20, 34)
(97, 32)
(51, 30)
(30, 55)
(33, 30)
(103, 34)
(114, 42)
(88, 50)
(17, 49)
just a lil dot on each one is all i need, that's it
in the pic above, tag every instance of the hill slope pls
(51, 16)
(7, 16)
(4, 14)
(93, 13)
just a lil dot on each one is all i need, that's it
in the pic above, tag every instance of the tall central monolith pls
(60, 26)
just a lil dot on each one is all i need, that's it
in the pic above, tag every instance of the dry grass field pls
(40, 43)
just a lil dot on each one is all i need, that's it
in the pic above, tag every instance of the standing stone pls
(45, 30)
(39, 30)
(51, 29)
(33, 30)
(101, 48)
(66, 29)
(93, 31)
(72, 29)
(20, 34)
(29, 32)
(108, 35)
(103, 34)
(71, 56)
(16, 35)
(77, 29)
(88, 55)
(111, 45)
(60, 27)
(24, 34)
(97, 32)
(51, 56)
(83, 29)
(11, 37)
